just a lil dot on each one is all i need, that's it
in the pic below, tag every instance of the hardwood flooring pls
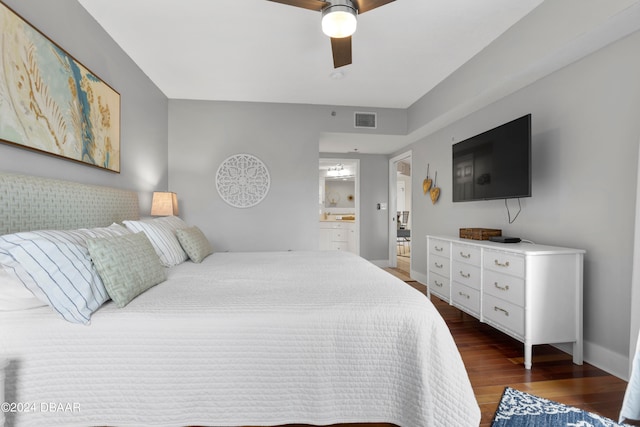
(494, 360)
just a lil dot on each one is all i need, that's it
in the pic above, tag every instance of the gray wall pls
(202, 134)
(143, 107)
(586, 129)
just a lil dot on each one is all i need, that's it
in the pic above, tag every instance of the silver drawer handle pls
(496, 308)
(466, 276)
(499, 264)
(465, 255)
(438, 265)
(435, 282)
(438, 249)
(462, 294)
(502, 288)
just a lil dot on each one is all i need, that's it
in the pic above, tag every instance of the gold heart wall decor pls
(435, 191)
(426, 184)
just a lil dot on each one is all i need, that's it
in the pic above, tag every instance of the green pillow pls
(194, 243)
(128, 265)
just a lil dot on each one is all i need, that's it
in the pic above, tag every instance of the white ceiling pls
(261, 51)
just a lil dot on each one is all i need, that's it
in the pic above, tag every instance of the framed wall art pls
(242, 180)
(51, 103)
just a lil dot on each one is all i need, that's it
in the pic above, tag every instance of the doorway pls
(339, 204)
(400, 212)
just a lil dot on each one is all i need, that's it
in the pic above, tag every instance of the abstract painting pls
(51, 103)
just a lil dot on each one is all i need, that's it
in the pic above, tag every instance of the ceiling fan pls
(339, 20)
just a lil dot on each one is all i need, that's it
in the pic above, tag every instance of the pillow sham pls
(162, 235)
(112, 230)
(13, 294)
(127, 264)
(55, 266)
(194, 243)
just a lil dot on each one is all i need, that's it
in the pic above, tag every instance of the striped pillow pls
(162, 234)
(56, 267)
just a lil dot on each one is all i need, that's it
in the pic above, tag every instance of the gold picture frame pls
(50, 102)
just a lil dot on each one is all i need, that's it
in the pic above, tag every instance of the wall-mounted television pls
(495, 164)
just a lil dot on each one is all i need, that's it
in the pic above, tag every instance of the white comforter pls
(244, 339)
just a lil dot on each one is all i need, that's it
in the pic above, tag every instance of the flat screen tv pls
(495, 164)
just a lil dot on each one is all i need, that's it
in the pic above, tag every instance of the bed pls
(265, 338)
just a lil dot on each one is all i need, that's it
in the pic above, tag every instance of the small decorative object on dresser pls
(532, 293)
(479, 233)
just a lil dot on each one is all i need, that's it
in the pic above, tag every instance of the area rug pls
(519, 409)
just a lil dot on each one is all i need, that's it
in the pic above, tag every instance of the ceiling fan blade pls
(367, 5)
(341, 51)
(316, 5)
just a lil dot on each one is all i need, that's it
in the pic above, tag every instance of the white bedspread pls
(244, 339)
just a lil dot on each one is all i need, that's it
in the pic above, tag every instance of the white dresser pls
(338, 236)
(531, 292)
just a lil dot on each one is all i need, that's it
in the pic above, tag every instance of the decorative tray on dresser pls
(531, 292)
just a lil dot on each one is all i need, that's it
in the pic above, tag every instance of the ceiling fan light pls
(339, 20)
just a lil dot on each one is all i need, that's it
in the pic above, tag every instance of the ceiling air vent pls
(365, 120)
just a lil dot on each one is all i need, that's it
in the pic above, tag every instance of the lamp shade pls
(164, 204)
(339, 20)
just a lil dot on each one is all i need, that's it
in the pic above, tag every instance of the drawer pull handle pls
(462, 294)
(438, 249)
(496, 308)
(435, 282)
(502, 288)
(438, 265)
(463, 255)
(499, 264)
(466, 276)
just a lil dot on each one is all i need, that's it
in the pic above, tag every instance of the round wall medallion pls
(243, 180)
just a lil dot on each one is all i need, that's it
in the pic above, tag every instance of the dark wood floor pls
(494, 360)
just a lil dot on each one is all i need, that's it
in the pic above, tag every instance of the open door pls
(400, 212)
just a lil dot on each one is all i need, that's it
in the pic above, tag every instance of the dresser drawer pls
(503, 314)
(439, 247)
(466, 274)
(466, 253)
(439, 285)
(509, 288)
(465, 298)
(339, 235)
(504, 262)
(439, 265)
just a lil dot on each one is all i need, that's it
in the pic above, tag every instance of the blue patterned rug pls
(519, 409)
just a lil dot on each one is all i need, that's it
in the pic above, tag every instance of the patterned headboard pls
(34, 203)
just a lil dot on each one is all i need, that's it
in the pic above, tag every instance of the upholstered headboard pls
(34, 203)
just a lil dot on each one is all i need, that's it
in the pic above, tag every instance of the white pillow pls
(162, 235)
(13, 294)
(55, 266)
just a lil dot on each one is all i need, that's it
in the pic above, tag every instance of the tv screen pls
(495, 164)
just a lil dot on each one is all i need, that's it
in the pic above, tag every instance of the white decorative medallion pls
(243, 180)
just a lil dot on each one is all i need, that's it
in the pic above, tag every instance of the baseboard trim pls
(607, 360)
(382, 263)
(422, 278)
